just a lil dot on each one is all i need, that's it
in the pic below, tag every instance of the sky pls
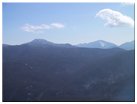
(72, 23)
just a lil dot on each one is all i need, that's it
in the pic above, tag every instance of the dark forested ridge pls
(47, 72)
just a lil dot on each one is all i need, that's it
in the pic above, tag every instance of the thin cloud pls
(57, 25)
(115, 18)
(40, 28)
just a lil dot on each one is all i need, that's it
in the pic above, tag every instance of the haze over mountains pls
(44, 71)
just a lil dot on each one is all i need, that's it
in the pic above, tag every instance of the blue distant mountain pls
(45, 43)
(40, 42)
(128, 45)
(98, 44)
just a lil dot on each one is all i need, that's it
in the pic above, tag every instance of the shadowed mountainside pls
(61, 73)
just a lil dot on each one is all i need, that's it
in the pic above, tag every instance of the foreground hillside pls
(54, 73)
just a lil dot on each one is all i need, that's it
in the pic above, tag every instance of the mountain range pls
(95, 44)
(44, 71)
(105, 45)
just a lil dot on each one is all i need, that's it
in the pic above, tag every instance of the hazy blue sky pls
(68, 22)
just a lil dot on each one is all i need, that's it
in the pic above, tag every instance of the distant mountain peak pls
(102, 44)
(45, 43)
(99, 41)
(41, 41)
(98, 44)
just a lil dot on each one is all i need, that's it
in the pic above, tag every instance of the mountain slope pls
(128, 45)
(67, 74)
(98, 44)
